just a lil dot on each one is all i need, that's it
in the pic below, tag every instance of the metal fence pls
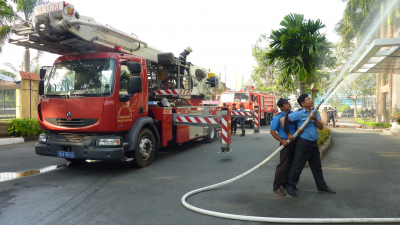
(7, 104)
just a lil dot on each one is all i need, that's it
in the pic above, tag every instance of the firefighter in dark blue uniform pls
(331, 116)
(182, 59)
(234, 120)
(242, 120)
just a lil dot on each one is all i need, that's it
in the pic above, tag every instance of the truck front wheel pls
(252, 124)
(145, 149)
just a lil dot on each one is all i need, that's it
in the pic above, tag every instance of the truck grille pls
(62, 122)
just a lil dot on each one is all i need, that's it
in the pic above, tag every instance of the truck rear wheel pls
(264, 121)
(211, 135)
(267, 119)
(145, 149)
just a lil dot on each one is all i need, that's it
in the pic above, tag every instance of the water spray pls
(389, 6)
(293, 220)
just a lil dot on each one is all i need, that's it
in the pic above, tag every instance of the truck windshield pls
(235, 97)
(81, 78)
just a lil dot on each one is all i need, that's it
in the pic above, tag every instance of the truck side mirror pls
(134, 67)
(42, 73)
(136, 85)
(41, 86)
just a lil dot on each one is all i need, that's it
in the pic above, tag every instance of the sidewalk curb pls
(327, 144)
(387, 131)
(8, 141)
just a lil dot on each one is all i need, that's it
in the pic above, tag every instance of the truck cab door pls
(129, 107)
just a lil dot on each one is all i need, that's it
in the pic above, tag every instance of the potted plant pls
(395, 117)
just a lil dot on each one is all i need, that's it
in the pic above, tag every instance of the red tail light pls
(118, 49)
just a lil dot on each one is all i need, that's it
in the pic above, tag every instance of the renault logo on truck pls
(69, 115)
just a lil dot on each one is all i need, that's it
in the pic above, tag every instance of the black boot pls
(243, 133)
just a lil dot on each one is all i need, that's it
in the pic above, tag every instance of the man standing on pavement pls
(286, 154)
(242, 120)
(306, 146)
(233, 120)
(331, 116)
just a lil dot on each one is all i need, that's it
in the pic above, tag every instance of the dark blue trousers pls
(306, 151)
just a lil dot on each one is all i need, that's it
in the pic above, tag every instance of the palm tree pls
(6, 14)
(24, 10)
(300, 48)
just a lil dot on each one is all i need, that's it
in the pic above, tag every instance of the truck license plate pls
(66, 154)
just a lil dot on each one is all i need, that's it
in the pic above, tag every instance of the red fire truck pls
(110, 96)
(266, 103)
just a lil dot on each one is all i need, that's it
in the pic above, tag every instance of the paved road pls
(363, 167)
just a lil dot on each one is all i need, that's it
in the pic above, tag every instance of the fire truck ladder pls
(58, 28)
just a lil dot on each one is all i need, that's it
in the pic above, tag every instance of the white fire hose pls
(275, 219)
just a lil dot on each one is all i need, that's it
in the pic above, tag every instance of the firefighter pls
(331, 116)
(233, 120)
(242, 120)
(182, 59)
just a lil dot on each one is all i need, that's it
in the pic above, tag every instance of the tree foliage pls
(265, 77)
(357, 85)
(6, 14)
(21, 9)
(7, 73)
(299, 49)
(358, 18)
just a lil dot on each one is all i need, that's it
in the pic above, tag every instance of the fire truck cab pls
(266, 103)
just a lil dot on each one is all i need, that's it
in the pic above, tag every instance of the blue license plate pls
(66, 154)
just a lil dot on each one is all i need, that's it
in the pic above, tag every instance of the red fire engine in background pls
(266, 103)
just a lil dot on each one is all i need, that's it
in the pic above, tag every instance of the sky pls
(221, 33)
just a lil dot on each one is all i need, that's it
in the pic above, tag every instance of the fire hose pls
(275, 219)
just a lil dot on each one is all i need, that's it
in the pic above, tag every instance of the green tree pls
(7, 73)
(264, 76)
(22, 10)
(357, 86)
(300, 49)
(6, 14)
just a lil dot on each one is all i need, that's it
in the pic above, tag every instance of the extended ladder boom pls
(58, 28)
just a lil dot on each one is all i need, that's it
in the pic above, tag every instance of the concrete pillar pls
(27, 98)
(377, 106)
(324, 117)
(382, 101)
(27, 60)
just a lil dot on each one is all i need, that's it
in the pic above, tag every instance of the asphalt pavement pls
(362, 167)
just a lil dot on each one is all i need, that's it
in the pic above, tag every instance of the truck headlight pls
(42, 139)
(109, 142)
